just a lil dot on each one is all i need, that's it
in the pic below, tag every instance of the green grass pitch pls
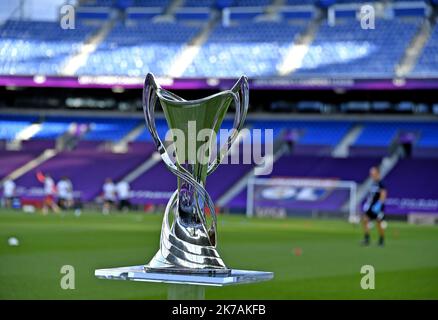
(311, 259)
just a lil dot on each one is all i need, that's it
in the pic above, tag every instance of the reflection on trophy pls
(188, 243)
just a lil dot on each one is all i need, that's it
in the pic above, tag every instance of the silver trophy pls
(188, 245)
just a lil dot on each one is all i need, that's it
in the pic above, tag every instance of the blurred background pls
(344, 84)
(341, 98)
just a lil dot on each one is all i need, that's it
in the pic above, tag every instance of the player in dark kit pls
(374, 207)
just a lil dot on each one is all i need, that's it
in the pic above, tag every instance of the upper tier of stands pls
(217, 3)
(427, 65)
(348, 50)
(253, 49)
(257, 48)
(136, 49)
(39, 47)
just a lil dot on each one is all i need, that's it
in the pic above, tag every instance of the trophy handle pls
(150, 98)
(240, 94)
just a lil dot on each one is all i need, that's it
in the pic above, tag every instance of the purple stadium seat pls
(12, 160)
(413, 187)
(86, 169)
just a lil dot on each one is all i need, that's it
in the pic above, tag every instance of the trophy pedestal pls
(194, 282)
(182, 292)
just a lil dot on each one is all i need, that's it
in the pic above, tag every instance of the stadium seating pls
(109, 130)
(11, 126)
(11, 160)
(151, 3)
(313, 142)
(86, 168)
(227, 54)
(135, 50)
(384, 133)
(427, 65)
(353, 169)
(133, 3)
(38, 47)
(198, 3)
(97, 3)
(100, 129)
(316, 133)
(51, 130)
(162, 128)
(377, 134)
(154, 186)
(413, 186)
(376, 137)
(251, 3)
(38, 145)
(348, 50)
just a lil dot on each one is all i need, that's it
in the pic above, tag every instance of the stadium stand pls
(309, 157)
(427, 65)
(38, 145)
(135, 46)
(414, 186)
(151, 3)
(315, 137)
(226, 55)
(12, 160)
(251, 3)
(86, 168)
(162, 128)
(353, 169)
(108, 129)
(154, 186)
(97, 3)
(350, 51)
(199, 3)
(52, 129)
(10, 126)
(39, 47)
(136, 49)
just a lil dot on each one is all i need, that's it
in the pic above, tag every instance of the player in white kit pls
(109, 195)
(8, 192)
(123, 190)
(49, 195)
(65, 193)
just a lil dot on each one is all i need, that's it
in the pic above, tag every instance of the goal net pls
(280, 197)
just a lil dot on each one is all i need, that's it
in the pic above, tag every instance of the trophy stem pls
(185, 292)
(180, 253)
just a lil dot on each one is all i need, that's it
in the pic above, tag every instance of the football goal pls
(280, 197)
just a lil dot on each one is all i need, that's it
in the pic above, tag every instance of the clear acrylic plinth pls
(138, 273)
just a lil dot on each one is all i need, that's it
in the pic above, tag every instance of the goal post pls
(282, 197)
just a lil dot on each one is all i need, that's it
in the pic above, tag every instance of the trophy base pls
(212, 272)
(139, 273)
